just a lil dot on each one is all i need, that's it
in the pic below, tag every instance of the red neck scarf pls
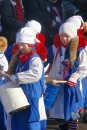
(57, 42)
(82, 41)
(19, 10)
(23, 57)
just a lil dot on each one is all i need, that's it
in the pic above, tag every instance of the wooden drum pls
(13, 97)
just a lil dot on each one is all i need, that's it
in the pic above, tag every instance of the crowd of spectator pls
(50, 13)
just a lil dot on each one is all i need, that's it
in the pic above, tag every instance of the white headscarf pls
(26, 35)
(77, 20)
(69, 29)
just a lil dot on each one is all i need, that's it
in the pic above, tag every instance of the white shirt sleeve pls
(3, 66)
(81, 70)
(33, 74)
(3, 63)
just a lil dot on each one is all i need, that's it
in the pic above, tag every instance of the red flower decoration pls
(80, 32)
(41, 48)
(15, 48)
(82, 42)
(41, 37)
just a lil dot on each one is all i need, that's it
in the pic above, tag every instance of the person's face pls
(65, 39)
(53, 1)
(23, 47)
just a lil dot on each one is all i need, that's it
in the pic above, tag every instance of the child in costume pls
(36, 27)
(30, 76)
(68, 56)
(3, 79)
(82, 31)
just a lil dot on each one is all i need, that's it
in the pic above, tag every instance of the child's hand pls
(14, 78)
(72, 81)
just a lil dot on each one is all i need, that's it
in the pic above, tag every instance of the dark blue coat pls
(10, 24)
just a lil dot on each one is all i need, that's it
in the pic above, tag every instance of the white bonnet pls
(26, 35)
(69, 29)
(77, 20)
(36, 26)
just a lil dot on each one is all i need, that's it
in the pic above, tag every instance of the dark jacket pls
(58, 6)
(79, 4)
(10, 24)
(37, 10)
(69, 7)
(0, 6)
